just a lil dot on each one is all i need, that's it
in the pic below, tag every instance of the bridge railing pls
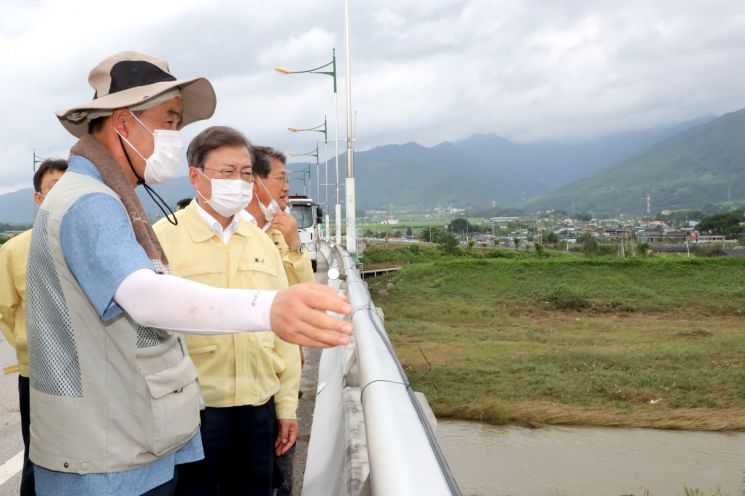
(403, 453)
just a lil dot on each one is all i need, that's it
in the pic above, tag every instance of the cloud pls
(312, 44)
(421, 71)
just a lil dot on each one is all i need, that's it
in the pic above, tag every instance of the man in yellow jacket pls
(13, 259)
(267, 210)
(250, 382)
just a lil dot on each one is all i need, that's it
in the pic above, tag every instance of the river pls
(587, 461)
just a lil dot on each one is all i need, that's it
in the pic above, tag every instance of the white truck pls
(309, 216)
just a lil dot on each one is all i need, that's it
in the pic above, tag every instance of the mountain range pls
(701, 168)
(486, 169)
(686, 165)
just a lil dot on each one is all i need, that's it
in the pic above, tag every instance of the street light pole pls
(337, 208)
(350, 204)
(305, 171)
(323, 130)
(326, 179)
(331, 73)
(310, 154)
(37, 160)
(318, 177)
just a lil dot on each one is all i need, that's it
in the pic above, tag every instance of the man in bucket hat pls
(114, 397)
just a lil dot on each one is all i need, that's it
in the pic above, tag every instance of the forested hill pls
(701, 168)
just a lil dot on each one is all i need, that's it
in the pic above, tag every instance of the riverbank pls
(575, 341)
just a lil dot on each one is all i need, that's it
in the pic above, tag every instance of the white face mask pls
(273, 208)
(161, 165)
(229, 196)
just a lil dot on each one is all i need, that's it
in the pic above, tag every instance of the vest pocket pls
(209, 351)
(264, 265)
(174, 405)
(270, 350)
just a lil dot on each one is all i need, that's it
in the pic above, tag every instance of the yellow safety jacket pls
(297, 265)
(13, 259)
(244, 368)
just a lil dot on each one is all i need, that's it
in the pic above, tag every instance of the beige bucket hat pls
(130, 78)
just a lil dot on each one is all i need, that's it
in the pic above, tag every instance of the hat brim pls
(197, 94)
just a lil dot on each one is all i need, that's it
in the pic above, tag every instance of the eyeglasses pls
(230, 173)
(284, 179)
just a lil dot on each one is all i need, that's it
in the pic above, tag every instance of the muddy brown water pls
(587, 461)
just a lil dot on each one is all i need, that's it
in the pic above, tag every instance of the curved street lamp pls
(332, 73)
(37, 160)
(321, 128)
(311, 154)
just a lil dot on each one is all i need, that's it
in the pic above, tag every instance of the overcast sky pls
(425, 71)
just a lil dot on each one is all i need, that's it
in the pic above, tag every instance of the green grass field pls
(570, 340)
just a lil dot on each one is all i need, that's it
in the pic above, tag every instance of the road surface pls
(11, 443)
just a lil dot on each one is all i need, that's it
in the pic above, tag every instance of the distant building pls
(502, 220)
(709, 239)
(658, 236)
(617, 234)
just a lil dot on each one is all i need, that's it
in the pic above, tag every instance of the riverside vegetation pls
(506, 337)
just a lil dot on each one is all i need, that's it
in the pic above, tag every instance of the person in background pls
(13, 261)
(270, 203)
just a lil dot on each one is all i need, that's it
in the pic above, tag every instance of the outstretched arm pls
(297, 314)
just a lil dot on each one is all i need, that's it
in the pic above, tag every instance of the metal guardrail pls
(334, 464)
(404, 455)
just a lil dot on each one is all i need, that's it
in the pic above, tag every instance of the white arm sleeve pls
(169, 302)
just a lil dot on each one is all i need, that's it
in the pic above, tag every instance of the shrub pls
(540, 252)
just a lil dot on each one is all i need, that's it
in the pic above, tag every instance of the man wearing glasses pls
(267, 210)
(249, 380)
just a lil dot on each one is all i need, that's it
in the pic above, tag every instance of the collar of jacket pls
(198, 229)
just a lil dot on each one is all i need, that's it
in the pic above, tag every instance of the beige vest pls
(105, 396)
